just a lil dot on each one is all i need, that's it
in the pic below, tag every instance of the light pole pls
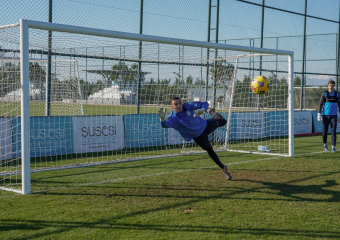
(179, 76)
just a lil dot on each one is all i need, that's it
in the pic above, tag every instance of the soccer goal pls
(256, 123)
(107, 86)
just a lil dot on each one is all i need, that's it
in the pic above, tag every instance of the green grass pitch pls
(184, 198)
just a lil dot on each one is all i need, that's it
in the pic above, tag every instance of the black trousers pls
(212, 124)
(332, 121)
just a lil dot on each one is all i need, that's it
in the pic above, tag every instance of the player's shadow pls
(305, 192)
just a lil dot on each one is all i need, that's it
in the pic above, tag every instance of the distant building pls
(36, 92)
(114, 95)
(122, 92)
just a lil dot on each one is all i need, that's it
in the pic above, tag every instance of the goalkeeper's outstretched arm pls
(162, 114)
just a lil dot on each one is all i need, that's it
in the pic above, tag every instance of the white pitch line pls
(163, 173)
(150, 175)
(157, 174)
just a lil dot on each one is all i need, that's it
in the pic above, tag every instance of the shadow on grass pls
(97, 169)
(289, 190)
(151, 191)
(310, 143)
(64, 226)
(293, 191)
(45, 228)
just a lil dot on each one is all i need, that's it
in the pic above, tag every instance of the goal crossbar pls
(141, 37)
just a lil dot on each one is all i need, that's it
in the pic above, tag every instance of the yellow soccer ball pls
(260, 85)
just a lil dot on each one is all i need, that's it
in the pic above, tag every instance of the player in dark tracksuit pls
(329, 103)
(184, 119)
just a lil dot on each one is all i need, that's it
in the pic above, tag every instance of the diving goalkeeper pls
(184, 118)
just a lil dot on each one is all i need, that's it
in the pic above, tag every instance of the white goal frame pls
(229, 118)
(25, 25)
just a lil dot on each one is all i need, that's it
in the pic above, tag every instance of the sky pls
(238, 23)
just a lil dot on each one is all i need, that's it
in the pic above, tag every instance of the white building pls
(113, 95)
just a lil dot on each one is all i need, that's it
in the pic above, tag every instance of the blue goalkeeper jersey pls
(185, 123)
(329, 103)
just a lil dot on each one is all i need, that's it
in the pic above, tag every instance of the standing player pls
(184, 119)
(329, 102)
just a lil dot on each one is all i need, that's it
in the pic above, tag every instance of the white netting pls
(105, 94)
(9, 109)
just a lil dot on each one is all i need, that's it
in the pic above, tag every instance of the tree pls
(315, 94)
(10, 76)
(10, 73)
(242, 92)
(298, 80)
(199, 82)
(189, 80)
(124, 73)
(178, 81)
(37, 73)
(88, 89)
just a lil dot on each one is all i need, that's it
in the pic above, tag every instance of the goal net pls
(65, 85)
(99, 103)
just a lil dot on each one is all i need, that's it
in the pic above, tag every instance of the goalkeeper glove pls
(319, 117)
(339, 117)
(199, 112)
(162, 114)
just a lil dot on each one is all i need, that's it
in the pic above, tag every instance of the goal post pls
(25, 108)
(114, 81)
(254, 121)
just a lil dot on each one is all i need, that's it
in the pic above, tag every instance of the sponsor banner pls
(98, 133)
(303, 122)
(144, 130)
(176, 138)
(250, 125)
(5, 139)
(318, 125)
(49, 136)
(276, 123)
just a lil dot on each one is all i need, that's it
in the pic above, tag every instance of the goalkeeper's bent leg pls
(216, 115)
(203, 142)
(214, 157)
